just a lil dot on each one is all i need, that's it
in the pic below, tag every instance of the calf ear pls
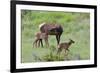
(72, 40)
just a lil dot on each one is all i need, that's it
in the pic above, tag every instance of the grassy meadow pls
(76, 26)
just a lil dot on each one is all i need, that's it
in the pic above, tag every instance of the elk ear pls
(72, 40)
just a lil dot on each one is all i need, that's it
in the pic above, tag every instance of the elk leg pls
(67, 51)
(41, 42)
(46, 42)
(57, 38)
(35, 43)
(59, 50)
(38, 43)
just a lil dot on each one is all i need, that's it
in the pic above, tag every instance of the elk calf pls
(39, 36)
(64, 46)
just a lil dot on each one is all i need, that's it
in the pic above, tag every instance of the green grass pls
(76, 26)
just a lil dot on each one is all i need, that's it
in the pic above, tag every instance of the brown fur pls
(38, 39)
(52, 29)
(65, 46)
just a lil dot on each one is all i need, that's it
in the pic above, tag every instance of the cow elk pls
(52, 29)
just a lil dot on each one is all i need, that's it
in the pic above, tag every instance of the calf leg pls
(66, 50)
(41, 42)
(59, 50)
(35, 43)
